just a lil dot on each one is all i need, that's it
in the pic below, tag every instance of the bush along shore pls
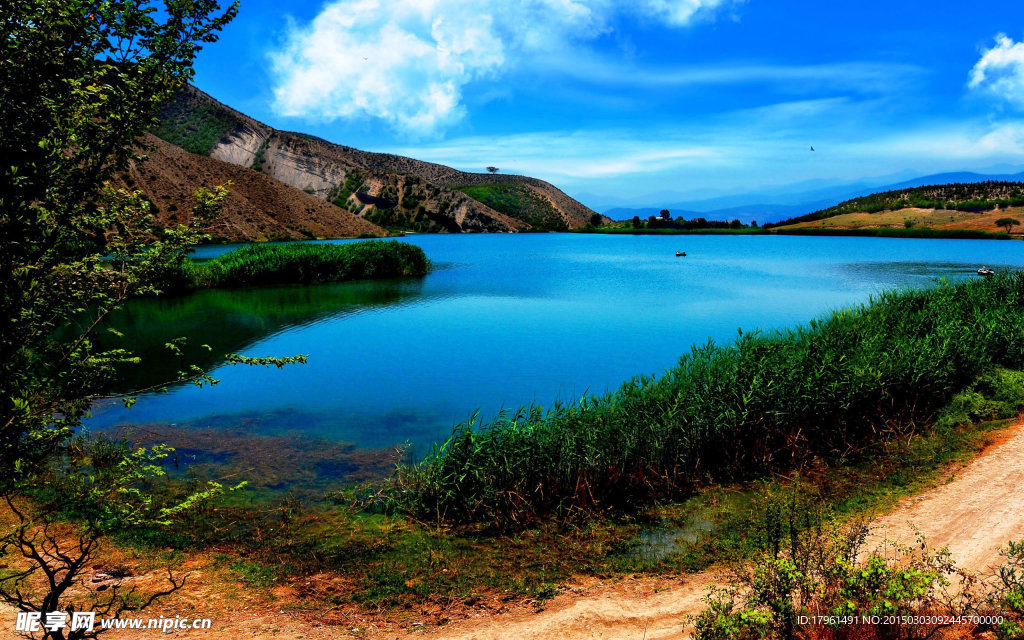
(299, 263)
(835, 389)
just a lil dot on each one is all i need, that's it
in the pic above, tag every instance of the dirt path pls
(974, 513)
(634, 609)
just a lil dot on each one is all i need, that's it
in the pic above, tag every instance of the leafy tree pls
(596, 220)
(1007, 223)
(493, 169)
(666, 215)
(80, 82)
(637, 223)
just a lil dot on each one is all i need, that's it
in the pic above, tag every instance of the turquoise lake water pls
(501, 321)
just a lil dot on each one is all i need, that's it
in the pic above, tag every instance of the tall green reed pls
(834, 388)
(299, 263)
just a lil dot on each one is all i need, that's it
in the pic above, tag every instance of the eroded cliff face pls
(390, 191)
(286, 161)
(392, 200)
(402, 201)
(257, 208)
(240, 146)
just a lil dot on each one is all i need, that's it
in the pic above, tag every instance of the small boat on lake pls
(680, 254)
(985, 271)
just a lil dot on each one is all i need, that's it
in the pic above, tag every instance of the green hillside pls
(972, 197)
(517, 200)
(194, 125)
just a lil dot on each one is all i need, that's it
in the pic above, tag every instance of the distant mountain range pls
(291, 185)
(775, 207)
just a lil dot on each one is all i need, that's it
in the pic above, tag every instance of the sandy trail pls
(642, 608)
(974, 513)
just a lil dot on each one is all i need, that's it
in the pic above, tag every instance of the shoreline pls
(924, 234)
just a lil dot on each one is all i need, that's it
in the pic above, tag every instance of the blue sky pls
(647, 101)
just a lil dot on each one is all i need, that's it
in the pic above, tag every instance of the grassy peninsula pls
(302, 263)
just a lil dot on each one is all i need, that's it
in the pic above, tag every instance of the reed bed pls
(305, 263)
(835, 389)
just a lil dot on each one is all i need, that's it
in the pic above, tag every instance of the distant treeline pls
(666, 225)
(973, 196)
(665, 222)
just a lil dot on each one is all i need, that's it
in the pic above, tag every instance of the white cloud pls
(407, 62)
(678, 12)
(747, 149)
(1000, 71)
(571, 156)
(862, 77)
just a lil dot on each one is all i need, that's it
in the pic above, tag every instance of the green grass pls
(299, 263)
(255, 574)
(306, 263)
(395, 563)
(835, 390)
(194, 125)
(975, 197)
(518, 201)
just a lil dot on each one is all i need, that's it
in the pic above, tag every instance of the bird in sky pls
(812, 148)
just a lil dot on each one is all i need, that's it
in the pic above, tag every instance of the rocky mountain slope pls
(257, 208)
(393, 192)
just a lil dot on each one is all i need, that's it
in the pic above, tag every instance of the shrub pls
(826, 573)
(1008, 596)
(996, 395)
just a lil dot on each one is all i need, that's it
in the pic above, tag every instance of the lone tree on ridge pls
(1009, 223)
(493, 169)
